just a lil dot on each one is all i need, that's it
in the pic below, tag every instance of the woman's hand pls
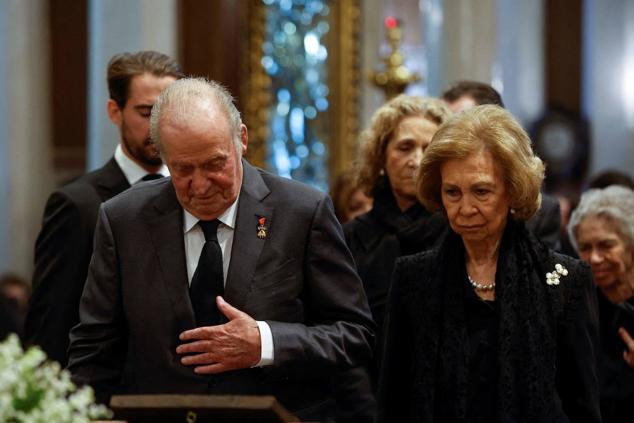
(628, 354)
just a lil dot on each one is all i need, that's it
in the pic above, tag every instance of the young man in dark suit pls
(64, 245)
(280, 308)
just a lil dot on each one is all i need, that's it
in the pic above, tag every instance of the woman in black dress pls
(602, 231)
(392, 148)
(491, 325)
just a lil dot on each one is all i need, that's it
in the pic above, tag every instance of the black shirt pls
(616, 378)
(481, 318)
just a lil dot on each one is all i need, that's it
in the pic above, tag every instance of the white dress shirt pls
(131, 169)
(194, 241)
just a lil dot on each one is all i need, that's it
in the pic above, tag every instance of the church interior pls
(307, 76)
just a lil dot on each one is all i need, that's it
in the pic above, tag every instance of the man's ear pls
(244, 138)
(114, 112)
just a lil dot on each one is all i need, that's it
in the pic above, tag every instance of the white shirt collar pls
(227, 218)
(131, 170)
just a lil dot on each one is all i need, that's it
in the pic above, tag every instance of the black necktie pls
(208, 281)
(151, 176)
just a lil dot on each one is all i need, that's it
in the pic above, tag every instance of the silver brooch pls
(552, 278)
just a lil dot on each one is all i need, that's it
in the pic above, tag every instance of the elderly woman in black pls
(602, 230)
(392, 148)
(491, 325)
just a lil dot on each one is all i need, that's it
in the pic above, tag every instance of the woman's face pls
(475, 197)
(403, 154)
(604, 249)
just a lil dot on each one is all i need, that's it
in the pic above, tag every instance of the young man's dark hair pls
(611, 177)
(122, 67)
(480, 92)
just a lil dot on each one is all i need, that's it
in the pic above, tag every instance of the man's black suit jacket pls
(62, 254)
(546, 224)
(300, 279)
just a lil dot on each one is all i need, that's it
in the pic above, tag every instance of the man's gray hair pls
(615, 203)
(178, 98)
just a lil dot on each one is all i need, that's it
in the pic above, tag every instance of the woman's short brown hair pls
(495, 130)
(384, 122)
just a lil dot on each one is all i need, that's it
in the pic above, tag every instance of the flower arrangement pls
(39, 391)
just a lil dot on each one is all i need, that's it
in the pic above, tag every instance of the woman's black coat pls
(547, 337)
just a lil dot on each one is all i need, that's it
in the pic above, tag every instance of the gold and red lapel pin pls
(261, 227)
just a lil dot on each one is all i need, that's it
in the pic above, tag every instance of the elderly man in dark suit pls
(64, 245)
(224, 280)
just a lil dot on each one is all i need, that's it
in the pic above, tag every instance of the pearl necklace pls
(481, 287)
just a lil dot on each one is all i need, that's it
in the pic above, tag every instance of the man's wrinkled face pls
(205, 165)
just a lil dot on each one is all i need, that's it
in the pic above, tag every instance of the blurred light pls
(266, 61)
(390, 22)
(311, 43)
(306, 19)
(282, 109)
(316, 6)
(323, 27)
(312, 76)
(322, 90)
(290, 28)
(302, 151)
(319, 148)
(272, 70)
(279, 38)
(286, 5)
(278, 127)
(269, 65)
(282, 162)
(296, 125)
(295, 60)
(284, 95)
(321, 104)
(322, 54)
(310, 112)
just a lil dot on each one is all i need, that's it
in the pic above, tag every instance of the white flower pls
(552, 278)
(38, 391)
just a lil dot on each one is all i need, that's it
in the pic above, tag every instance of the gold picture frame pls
(342, 42)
